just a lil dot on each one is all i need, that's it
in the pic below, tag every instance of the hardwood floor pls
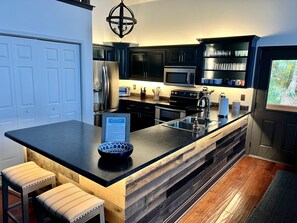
(232, 199)
(235, 196)
(17, 210)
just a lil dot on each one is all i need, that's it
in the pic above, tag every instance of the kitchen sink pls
(187, 123)
(191, 119)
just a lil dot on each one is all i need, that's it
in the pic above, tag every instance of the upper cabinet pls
(147, 63)
(103, 52)
(228, 61)
(114, 51)
(181, 55)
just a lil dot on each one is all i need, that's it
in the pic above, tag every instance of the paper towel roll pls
(224, 107)
(235, 107)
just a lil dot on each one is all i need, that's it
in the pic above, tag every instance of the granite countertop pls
(74, 145)
(148, 99)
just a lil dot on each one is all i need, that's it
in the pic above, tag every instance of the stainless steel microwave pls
(180, 75)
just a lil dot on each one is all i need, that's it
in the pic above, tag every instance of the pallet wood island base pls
(162, 190)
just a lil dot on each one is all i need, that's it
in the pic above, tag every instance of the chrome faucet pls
(207, 100)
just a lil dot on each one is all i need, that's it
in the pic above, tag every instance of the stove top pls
(184, 98)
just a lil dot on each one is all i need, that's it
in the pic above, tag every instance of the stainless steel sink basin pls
(187, 124)
(191, 119)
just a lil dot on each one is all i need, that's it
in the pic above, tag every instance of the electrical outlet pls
(242, 97)
(134, 86)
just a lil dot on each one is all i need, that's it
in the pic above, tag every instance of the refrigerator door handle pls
(106, 87)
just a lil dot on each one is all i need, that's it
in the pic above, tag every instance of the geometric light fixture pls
(121, 20)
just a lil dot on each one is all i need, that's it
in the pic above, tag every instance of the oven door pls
(164, 114)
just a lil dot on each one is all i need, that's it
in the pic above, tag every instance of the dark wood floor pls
(236, 195)
(232, 199)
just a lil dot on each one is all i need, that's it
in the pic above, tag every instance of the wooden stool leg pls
(4, 199)
(25, 209)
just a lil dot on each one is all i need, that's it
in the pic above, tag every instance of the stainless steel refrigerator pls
(105, 88)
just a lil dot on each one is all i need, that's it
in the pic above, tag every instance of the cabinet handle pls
(182, 58)
(179, 58)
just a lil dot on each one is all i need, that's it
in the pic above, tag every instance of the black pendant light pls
(121, 20)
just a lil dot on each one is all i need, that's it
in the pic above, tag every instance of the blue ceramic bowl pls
(115, 149)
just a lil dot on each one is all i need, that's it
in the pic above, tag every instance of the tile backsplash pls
(234, 94)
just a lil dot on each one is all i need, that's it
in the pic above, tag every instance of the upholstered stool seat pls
(24, 178)
(69, 203)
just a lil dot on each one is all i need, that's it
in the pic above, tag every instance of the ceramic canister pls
(235, 107)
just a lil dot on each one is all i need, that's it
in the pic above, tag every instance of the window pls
(282, 91)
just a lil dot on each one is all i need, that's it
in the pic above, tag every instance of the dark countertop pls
(74, 145)
(148, 99)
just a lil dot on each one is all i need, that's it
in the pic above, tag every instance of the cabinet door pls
(122, 56)
(155, 66)
(147, 115)
(181, 56)
(102, 52)
(189, 56)
(146, 120)
(137, 65)
(173, 57)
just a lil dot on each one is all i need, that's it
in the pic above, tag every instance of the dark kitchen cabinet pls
(103, 52)
(122, 55)
(182, 56)
(147, 64)
(228, 61)
(142, 115)
(114, 51)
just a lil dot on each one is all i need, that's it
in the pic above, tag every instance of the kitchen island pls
(168, 169)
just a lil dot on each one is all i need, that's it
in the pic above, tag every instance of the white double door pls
(39, 84)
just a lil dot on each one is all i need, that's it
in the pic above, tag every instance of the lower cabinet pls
(142, 115)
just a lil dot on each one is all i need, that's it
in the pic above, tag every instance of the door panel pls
(274, 131)
(61, 74)
(11, 153)
(267, 133)
(39, 84)
(290, 140)
(27, 82)
(50, 73)
(70, 65)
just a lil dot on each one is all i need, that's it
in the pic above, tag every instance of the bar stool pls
(24, 179)
(69, 203)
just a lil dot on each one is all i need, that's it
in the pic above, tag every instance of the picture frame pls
(115, 127)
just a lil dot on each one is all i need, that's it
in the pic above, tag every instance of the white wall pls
(163, 22)
(169, 22)
(54, 20)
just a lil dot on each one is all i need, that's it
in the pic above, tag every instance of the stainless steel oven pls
(164, 114)
(181, 104)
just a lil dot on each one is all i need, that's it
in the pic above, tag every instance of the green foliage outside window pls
(282, 84)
